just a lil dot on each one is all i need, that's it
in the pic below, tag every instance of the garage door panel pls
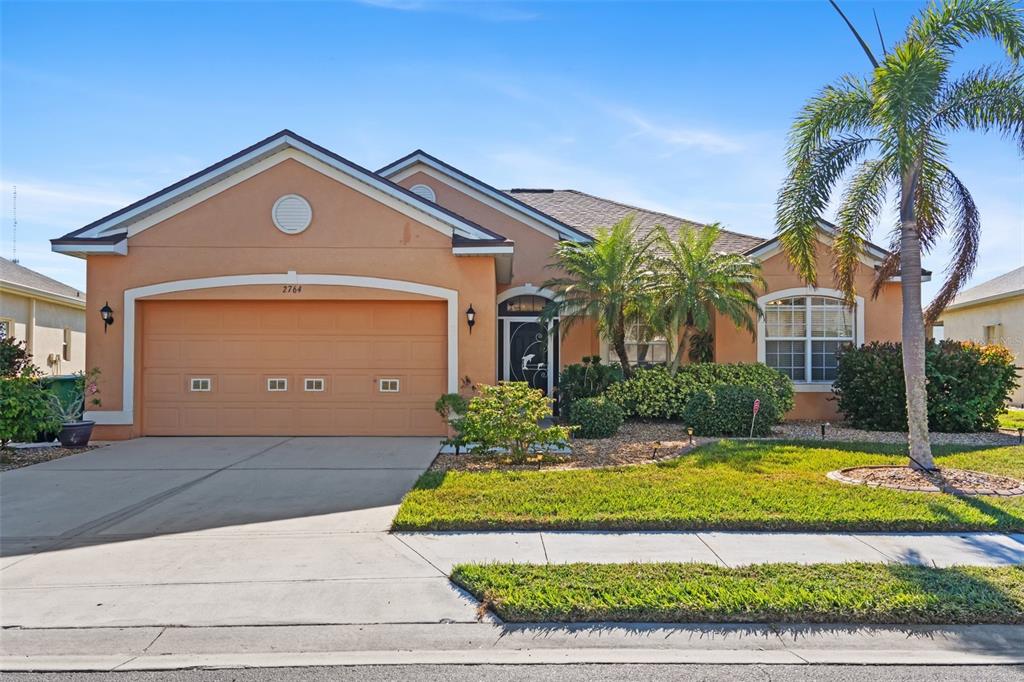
(240, 344)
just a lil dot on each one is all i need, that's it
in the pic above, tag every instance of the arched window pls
(528, 305)
(802, 335)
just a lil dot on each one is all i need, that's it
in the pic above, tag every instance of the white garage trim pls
(126, 414)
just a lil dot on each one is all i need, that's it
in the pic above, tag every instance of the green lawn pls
(689, 593)
(729, 485)
(1012, 419)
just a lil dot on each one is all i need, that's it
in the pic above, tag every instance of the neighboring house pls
(287, 290)
(47, 315)
(992, 312)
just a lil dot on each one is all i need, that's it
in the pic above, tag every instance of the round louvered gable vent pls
(424, 191)
(292, 214)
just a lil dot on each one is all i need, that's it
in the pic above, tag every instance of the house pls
(991, 312)
(287, 290)
(47, 315)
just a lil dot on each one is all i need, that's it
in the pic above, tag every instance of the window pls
(643, 347)
(314, 385)
(389, 385)
(65, 349)
(201, 385)
(522, 305)
(6, 327)
(990, 333)
(277, 384)
(803, 334)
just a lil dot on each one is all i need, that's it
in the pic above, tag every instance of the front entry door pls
(528, 349)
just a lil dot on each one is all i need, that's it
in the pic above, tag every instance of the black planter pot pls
(76, 434)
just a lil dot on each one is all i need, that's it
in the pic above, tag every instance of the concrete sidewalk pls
(156, 648)
(443, 550)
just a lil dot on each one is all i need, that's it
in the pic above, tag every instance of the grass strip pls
(768, 593)
(722, 486)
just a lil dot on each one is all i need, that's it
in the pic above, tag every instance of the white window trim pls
(762, 332)
(277, 390)
(383, 380)
(192, 385)
(306, 383)
(126, 415)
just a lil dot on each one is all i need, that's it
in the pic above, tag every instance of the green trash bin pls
(63, 386)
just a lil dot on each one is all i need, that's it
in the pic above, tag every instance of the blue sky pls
(677, 106)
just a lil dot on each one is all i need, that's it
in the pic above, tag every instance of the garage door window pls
(315, 385)
(389, 385)
(201, 385)
(277, 385)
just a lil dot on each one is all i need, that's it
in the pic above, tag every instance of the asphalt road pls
(562, 673)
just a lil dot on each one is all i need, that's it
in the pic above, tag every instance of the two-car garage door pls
(292, 367)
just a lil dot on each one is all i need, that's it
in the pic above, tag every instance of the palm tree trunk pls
(913, 329)
(677, 359)
(619, 344)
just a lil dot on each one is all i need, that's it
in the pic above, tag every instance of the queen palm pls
(606, 280)
(695, 281)
(886, 133)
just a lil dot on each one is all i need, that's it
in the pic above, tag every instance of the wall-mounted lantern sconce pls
(107, 313)
(470, 317)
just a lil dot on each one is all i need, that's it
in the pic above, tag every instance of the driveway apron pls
(218, 531)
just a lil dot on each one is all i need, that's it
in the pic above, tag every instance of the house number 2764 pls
(291, 289)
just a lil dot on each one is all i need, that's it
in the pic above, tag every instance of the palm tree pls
(694, 281)
(900, 115)
(606, 280)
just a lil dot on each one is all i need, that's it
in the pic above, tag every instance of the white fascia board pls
(481, 250)
(538, 220)
(49, 296)
(216, 180)
(995, 298)
(86, 249)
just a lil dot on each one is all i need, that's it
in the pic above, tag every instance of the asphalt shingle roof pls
(586, 213)
(18, 274)
(1012, 281)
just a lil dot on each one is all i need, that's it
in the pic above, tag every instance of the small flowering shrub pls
(969, 386)
(508, 417)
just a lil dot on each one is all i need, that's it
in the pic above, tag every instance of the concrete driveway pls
(218, 531)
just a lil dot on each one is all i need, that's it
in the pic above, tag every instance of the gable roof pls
(565, 230)
(587, 212)
(17, 277)
(1004, 286)
(112, 229)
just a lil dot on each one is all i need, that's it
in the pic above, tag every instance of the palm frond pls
(861, 205)
(966, 233)
(984, 100)
(951, 24)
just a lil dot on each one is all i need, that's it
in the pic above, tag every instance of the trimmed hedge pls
(729, 411)
(596, 417)
(653, 393)
(969, 385)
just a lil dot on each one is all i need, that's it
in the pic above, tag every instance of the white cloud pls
(677, 137)
(60, 205)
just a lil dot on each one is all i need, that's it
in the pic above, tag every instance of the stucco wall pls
(48, 337)
(232, 233)
(881, 322)
(968, 324)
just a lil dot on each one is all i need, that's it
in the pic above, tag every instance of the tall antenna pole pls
(14, 230)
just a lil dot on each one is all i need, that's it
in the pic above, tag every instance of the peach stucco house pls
(286, 290)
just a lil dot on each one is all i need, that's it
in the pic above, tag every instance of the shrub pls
(726, 410)
(585, 380)
(507, 417)
(24, 410)
(15, 360)
(596, 417)
(653, 393)
(968, 386)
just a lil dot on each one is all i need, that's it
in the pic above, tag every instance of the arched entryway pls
(527, 347)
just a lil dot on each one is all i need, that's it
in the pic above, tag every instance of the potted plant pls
(75, 431)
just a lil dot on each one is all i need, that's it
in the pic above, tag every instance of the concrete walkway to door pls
(219, 531)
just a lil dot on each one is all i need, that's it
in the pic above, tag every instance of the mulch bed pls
(635, 443)
(946, 480)
(15, 458)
